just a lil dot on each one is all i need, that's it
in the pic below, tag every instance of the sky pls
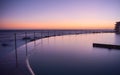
(59, 14)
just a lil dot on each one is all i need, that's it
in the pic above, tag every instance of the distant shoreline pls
(48, 29)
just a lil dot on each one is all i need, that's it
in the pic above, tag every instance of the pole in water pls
(26, 43)
(16, 56)
(34, 39)
(41, 37)
(48, 36)
(54, 33)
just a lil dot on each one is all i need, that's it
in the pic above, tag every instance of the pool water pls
(75, 55)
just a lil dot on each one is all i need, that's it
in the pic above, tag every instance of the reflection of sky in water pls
(74, 55)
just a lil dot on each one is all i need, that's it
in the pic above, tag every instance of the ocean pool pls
(75, 55)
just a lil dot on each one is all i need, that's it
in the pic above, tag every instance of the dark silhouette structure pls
(117, 27)
(109, 46)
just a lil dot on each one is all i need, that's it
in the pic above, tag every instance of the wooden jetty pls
(109, 46)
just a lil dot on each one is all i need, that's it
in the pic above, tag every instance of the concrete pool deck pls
(10, 65)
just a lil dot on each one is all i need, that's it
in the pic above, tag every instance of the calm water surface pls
(74, 55)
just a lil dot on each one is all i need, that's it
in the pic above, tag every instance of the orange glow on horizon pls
(56, 25)
(63, 14)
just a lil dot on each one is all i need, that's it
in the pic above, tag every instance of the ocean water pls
(7, 37)
(75, 55)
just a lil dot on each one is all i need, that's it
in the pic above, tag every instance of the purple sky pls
(77, 13)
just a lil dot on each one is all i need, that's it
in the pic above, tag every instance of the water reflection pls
(117, 39)
(74, 55)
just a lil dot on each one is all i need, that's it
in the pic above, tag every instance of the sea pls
(7, 37)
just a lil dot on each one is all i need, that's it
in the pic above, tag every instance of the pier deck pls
(109, 46)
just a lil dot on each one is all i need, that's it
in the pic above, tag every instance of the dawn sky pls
(59, 14)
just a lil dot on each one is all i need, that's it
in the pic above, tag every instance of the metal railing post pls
(26, 43)
(34, 39)
(41, 37)
(16, 56)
